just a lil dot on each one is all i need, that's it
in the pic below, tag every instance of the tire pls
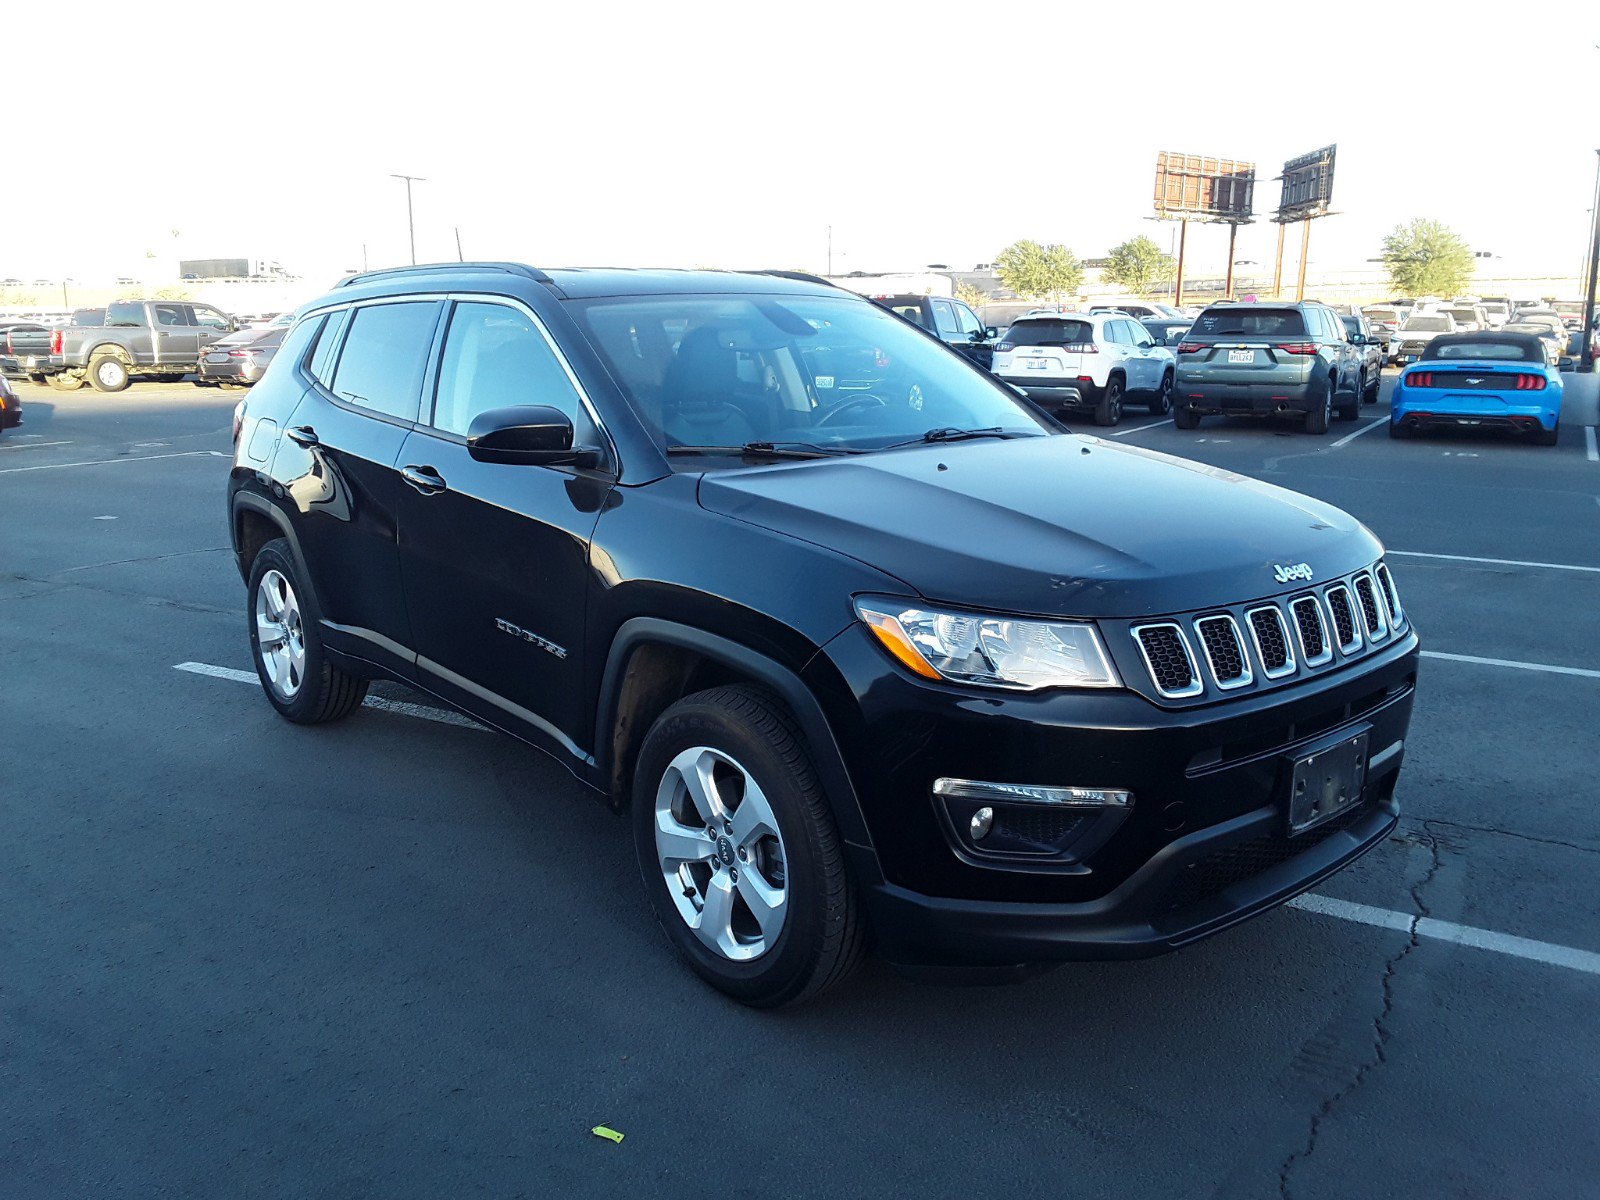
(1548, 437)
(1186, 418)
(739, 736)
(1320, 417)
(1109, 410)
(64, 381)
(305, 688)
(1161, 405)
(108, 373)
(1369, 394)
(1398, 431)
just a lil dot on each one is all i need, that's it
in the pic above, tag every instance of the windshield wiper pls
(768, 450)
(949, 433)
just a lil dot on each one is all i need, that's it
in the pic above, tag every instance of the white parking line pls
(1448, 931)
(1498, 562)
(1350, 437)
(100, 462)
(1584, 672)
(1139, 428)
(35, 445)
(1588, 444)
(421, 711)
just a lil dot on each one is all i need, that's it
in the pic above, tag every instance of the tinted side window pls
(300, 341)
(1115, 333)
(943, 316)
(169, 314)
(210, 318)
(384, 355)
(323, 357)
(125, 314)
(967, 321)
(495, 357)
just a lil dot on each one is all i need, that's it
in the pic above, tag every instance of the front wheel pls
(1370, 394)
(287, 648)
(1109, 410)
(1161, 405)
(739, 854)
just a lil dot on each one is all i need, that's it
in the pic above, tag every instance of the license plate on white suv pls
(1241, 356)
(1037, 364)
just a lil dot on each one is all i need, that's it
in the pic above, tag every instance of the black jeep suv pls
(902, 662)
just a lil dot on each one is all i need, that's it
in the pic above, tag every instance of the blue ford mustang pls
(1487, 380)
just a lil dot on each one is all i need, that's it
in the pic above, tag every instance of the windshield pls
(1427, 325)
(1050, 333)
(826, 371)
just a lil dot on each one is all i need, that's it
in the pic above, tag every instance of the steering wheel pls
(851, 404)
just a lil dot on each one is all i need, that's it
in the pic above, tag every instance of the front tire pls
(287, 648)
(1161, 405)
(1109, 410)
(1369, 394)
(109, 373)
(738, 850)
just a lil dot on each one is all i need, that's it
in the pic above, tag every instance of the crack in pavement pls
(1381, 1033)
(1427, 822)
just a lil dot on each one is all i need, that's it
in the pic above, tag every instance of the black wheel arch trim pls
(244, 501)
(768, 672)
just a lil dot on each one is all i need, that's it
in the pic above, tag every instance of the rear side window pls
(495, 357)
(125, 315)
(1249, 322)
(384, 354)
(1050, 333)
(300, 340)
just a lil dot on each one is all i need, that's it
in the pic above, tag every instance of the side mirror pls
(526, 434)
(991, 332)
(1358, 339)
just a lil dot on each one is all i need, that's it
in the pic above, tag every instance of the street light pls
(411, 223)
(1586, 363)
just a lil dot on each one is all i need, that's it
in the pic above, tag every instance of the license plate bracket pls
(1328, 780)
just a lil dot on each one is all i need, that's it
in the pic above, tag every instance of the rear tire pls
(1548, 437)
(1186, 418)
(293, 667)
(1398, 431)
(1162, 404)
(1320, 417)
(1109, 410)
(708, 868)
(108, 373)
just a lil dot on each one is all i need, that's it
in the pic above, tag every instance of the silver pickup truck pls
(150, 339)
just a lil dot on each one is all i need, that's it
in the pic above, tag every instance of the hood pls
(1060, 526)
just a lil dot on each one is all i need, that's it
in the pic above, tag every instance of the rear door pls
(494, 557)
(174, 339)
(337, 464)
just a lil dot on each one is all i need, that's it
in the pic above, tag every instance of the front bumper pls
(1204, 846)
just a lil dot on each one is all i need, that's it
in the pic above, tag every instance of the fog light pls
(981, 822)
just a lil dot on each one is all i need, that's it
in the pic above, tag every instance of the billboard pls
(1307, 186)
(1207, 189)
(214, 268)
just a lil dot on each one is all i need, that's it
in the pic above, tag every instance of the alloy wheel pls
(720, 853)
(280, 635)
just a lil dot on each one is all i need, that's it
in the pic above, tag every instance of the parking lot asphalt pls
(399, 957)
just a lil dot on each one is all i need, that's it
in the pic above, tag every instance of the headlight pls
(991, 651)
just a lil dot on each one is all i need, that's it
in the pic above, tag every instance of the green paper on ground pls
(602, 1131)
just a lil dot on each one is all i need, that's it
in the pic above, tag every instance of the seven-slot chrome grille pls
(1218, 652)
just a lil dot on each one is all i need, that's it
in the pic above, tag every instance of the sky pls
(735, 134)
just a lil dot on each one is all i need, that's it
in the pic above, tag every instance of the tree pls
(1427, 258)
(1038, 272)
(972, 297)
(1137, 264)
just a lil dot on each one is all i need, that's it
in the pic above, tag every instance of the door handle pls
(425, 479)
(304, 435)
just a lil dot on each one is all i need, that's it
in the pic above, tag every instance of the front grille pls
(1166, 654)
(1391, 597)
(1344, 618)
(1313, 630)
(1219, 639)
(1272, 641)
(1377, 630)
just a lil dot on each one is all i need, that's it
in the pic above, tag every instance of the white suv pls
(1085, 361)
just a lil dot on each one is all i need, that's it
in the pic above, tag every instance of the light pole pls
(1586, 363)
(411, 223)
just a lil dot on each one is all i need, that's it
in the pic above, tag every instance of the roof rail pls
(798, 276)
(446, 268)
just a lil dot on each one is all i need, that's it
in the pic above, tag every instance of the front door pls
(495, 557)
(211, 324)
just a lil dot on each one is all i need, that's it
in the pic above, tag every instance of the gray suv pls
(1268, 359)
